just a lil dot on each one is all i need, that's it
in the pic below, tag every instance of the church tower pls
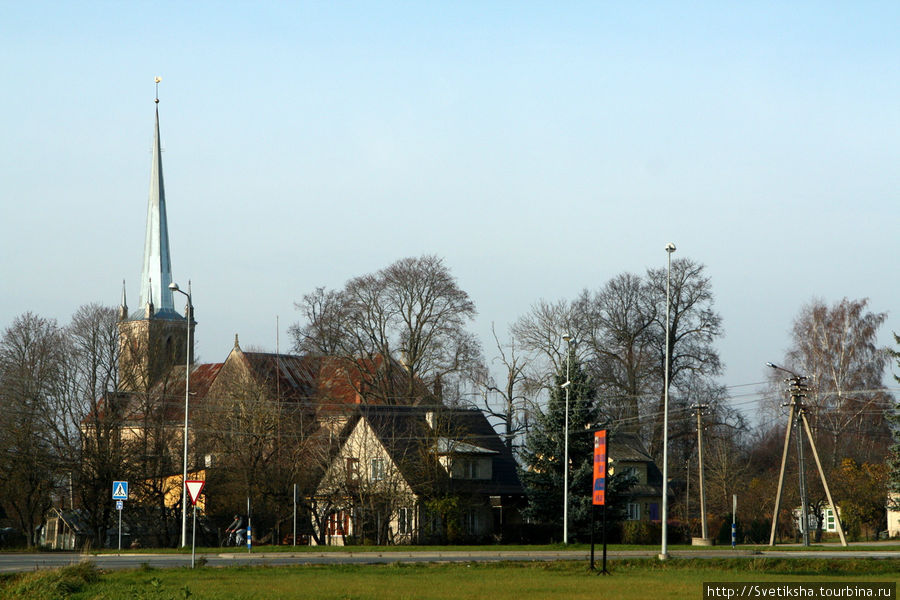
(153, 338)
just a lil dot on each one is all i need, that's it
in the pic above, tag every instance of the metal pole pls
(566, 453)
(295, 515)
(733, 521)
(664, 553)
(704, 530)
(194, 537)
(120, 530)
(604, 571)
(187, 394)
(592, 535)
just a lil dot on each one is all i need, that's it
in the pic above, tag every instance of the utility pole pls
(798, 392)
(700, 408)
(797, 389)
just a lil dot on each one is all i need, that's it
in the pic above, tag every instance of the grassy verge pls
(677, 578)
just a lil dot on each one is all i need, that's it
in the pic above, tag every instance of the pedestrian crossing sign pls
(120, 490)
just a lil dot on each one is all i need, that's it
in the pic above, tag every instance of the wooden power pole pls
(798, 389)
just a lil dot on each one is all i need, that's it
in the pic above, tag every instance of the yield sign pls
(193, 489)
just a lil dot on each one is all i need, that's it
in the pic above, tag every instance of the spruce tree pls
(545, 449)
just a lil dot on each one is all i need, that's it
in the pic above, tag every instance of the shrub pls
(641, 532)
(52, 584)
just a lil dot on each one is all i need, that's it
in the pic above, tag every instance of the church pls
(266, 430)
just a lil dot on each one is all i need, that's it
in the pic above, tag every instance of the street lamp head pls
(566, 384)
(670, 247)
(174, 287)
(774, 366)
(566, 337)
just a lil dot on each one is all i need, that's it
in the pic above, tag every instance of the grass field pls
(630, 579)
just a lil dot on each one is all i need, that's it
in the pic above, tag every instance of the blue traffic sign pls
(120, 490)
(119, 505)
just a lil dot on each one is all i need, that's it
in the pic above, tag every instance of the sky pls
(539, 148)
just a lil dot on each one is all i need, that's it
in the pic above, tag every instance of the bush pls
(641, 532)
(56, 583)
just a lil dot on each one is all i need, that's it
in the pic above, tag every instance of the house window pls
(829, 520)
(379, 469)
(471, 522)
(633, 511)
(339, 523)
(405, 521)
(468, 469)
(352, 469)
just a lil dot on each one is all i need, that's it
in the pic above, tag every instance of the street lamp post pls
(663, 555)
(187, 390)
(568, 339)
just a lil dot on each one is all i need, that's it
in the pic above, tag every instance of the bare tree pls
(322, 332)
(540, 334)
(507, 403)
(31, 362)
(620, 333)
(694, 326)
(836, 346)
(403, 328)
(87, 430)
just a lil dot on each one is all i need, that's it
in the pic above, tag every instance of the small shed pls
(64, 530)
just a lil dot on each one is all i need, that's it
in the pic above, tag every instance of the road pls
(10, 562)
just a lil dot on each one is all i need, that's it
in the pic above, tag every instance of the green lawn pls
(677, 578)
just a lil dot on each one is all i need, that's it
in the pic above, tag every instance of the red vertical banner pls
(599, 468)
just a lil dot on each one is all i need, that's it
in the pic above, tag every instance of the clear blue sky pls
(540, 148)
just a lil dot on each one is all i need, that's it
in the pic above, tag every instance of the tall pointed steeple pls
(154, 338)
(156, 274)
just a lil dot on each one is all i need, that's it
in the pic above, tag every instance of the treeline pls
(62, 435)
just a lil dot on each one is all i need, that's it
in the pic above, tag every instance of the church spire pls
(157, 271)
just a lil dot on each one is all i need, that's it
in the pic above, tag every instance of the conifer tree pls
(545, 449)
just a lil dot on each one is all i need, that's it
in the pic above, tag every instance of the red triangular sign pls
(193, 489)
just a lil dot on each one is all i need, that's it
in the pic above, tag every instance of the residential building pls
(629, 456)
(412, 474)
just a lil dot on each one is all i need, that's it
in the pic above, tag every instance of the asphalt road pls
(10, 562)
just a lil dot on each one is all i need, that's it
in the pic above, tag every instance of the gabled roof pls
(286, 376)
(411, 434)
(628, 447)
(405, 434)
(469, 425)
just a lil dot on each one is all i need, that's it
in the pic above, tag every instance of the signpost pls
(599, 491)
(249, 528)
(194, 487)
(733, 521)
(120, 494)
